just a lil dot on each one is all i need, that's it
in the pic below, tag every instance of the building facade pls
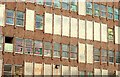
(55, 37)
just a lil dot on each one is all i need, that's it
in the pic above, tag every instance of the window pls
(38, 48)
(19, 45)
(110, 34)
(10, 17)
(56, 50)
(39, 22)
(1, 42)
(8, 44)
(90, 74)
(40, 2)
(102, 11)
(110, 12)
(65, 52)
(28, 46)
(73, 6)
(104, 55)
(89, 8)
(117, 57)
(19, 18)
(48, 49)
(111, 56)
(57, 4)
(18, 70)
(96, 9)
(65, 4)
(48, 2)
(96, 54)
(73, 53)
(81, 73)
(116, 14)
(8, 70)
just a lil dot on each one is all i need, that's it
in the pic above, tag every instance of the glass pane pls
(96, 6)
(111, 53)
(48, 2)
(64, 47)
(116, 17)
(19, 49)
(65, 54)
(89, 11)
(18, 70)
(116, 11)
(28, 43)
(56, 53)
(89, 5)
(39, 2)
(96, 51)
(47, 53)
(38, 44)
(39, 25)
(104, 59)
(20, 15)
(7, 68)
(1, 47)
(73, 8)
(57, 46)
(19, 22)
(74, 49)
(19, 41)
(90, 74)
(65, 6)
(1, 39)
(96, 58)
(111, 59)
(73, 55)
(110, 16)
(103, 14)
(39, 18)
(110, 10)
(7, 74)
(47, 45)
(9, 21)
(117, 57)
(110, 31)
(10, 13)
(82, 74)
(102, 8)
(104, 52)
(28, 50)
(57, 3)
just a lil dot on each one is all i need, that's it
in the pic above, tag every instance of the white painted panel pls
(82, 53)
(47, 69)
(117, 35)
(48, 23)
(82, 29)
(56, 69)
(30, 20)
(65, 26)
(0, 68)
(104, 72)
(104, 32)
(82, 10)
(2, 14)
(89, 53)
(74, 27)
(38, 69)
(89, 30)
(118, 73)
(65, 70)
(96, 31)
(28, 70)
(57, 24)
(74, 70)
(97, 72)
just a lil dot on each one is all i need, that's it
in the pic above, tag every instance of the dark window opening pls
(8, 40)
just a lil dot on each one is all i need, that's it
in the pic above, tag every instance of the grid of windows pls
(10, 17)
(19, 18)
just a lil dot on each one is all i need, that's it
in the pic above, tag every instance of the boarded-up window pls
(96, 31)
(97, 72)
(65, 26)
(48, 23)
(57, 24)
(38, 48)
(56, 69)
(89, 30)
(82, 29)
(0, 68)
(104, 32)
(82, 53)
(82, 10)
(65, 70)
(104, 72)
(47, 69)
(2, 15)
(28, 69)
(118, 73)
(89, 53)
(30, 19)
(38, 69)
(74, 27)
(19, 45)
(74, 71)
(117, 35)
